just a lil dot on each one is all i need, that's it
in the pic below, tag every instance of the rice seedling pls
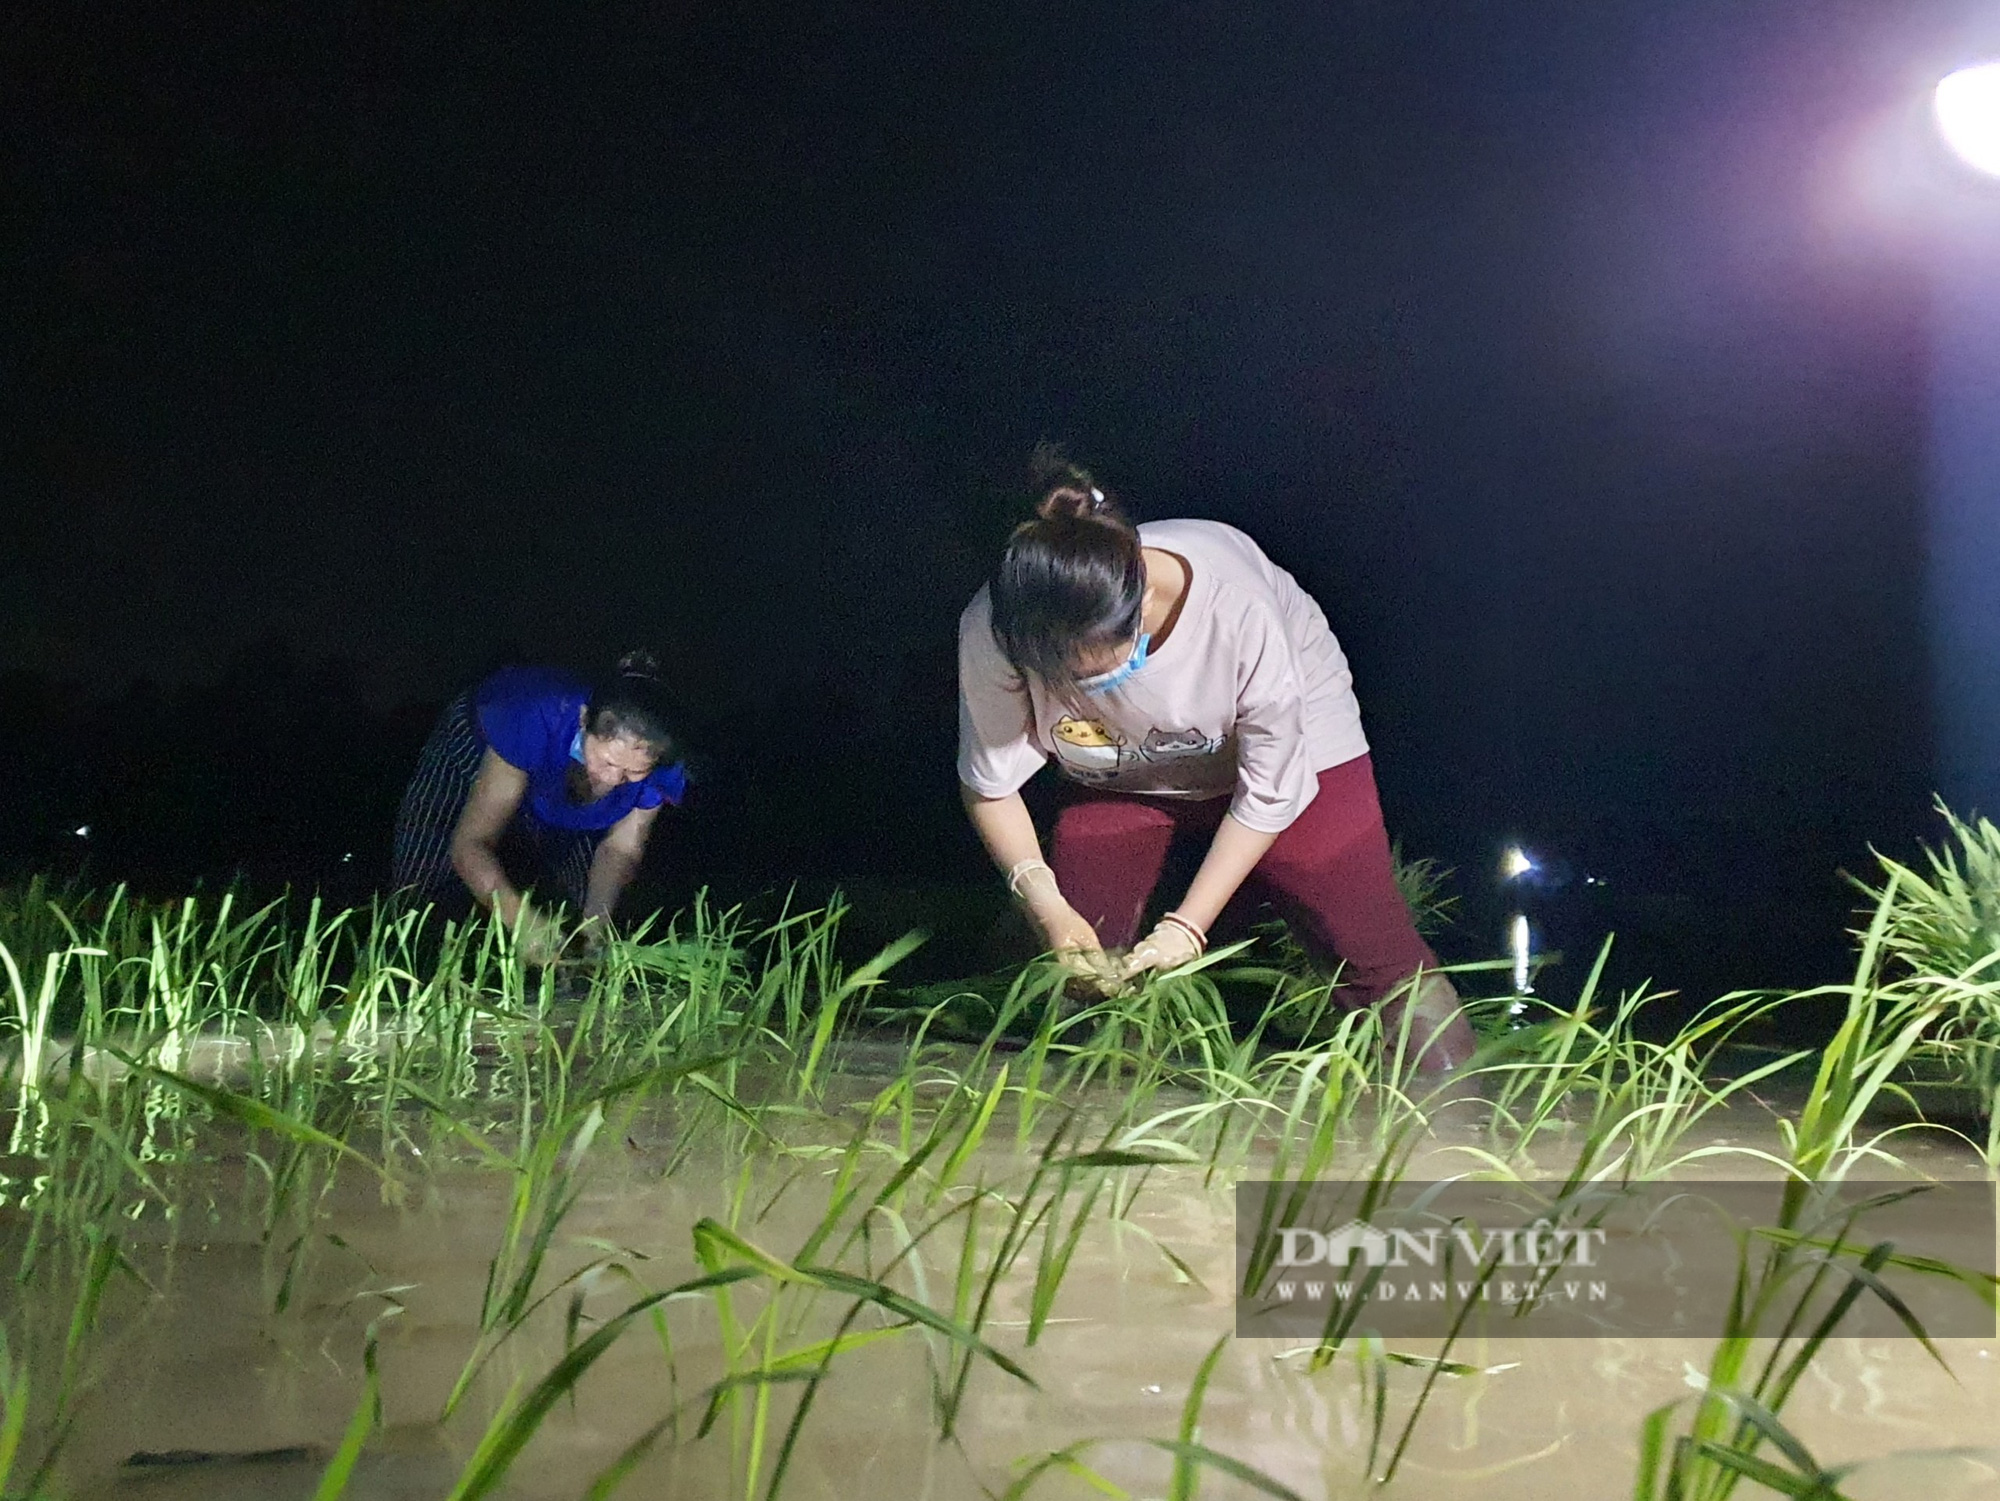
(1946, 923)
(1735, 1426)
(547, 1171)
(1190, 1456)
(1941, 937)
(14, 1394)
(367, 1418)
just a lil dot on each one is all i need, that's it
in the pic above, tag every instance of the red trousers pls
(1329, 875)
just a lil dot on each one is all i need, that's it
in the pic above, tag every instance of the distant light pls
(1514, 863)
(1519, 941)
(82, 831)
(1967, 105)
(346, 857)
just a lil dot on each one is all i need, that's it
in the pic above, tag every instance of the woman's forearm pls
(1232, 855)
(611, 871)
(478, 865)
(1004, 827)
(1008, 832)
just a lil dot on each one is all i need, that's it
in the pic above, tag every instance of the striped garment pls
(436, 796)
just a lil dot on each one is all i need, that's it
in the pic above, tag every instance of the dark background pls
(351, 349)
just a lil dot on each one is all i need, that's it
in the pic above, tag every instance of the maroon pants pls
(1329, 875)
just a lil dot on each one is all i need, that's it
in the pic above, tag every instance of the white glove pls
(1175, 942)
(1067, 932)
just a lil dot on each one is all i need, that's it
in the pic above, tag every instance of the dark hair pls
(1071, 579)
(633, 702)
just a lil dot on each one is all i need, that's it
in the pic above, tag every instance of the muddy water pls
(207, 1367)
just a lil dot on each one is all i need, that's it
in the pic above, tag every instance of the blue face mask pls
(576, 745)
(1104, 682)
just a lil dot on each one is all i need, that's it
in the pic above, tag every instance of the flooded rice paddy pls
(206, 1366)
(341, 1212)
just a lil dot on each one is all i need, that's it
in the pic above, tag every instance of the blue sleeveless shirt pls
(528, 716)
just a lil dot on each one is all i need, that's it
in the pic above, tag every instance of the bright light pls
(1519, 943)
(1968, 115)
(82, 831)
(1514, 862)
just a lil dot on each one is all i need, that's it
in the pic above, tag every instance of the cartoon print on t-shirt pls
(1090, 750)
(1173, 745)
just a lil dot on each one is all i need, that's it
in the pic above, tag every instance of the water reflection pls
(210, 1369)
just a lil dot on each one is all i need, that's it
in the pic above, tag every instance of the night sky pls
(1547, 344)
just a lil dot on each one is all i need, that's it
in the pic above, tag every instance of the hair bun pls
(1070, 502)
(1068, 492)
(639, 664)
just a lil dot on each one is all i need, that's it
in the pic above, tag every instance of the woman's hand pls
(1009, 836)
(1065, 931)
(1169, 946)
(1076, 947)
(538, 937)
(592, 934)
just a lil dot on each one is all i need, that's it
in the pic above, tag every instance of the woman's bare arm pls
(1004, 827)
(496, 795)
(1231, 856)
(616, 861)
(1007, 830)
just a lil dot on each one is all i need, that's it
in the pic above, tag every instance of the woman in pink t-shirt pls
(1184, 685)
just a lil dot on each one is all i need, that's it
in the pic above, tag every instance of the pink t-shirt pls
(1250, 697)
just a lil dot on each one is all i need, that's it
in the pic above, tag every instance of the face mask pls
(1104, 682)
(576, 746)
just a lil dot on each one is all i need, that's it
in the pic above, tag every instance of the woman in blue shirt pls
(535, 763)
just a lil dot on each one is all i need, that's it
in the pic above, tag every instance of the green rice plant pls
(516, 1420)
(1316, 1092)
(1557, 1061)
(1942, 936)
(291, 1064)
(367, 1418)
(547, 1168)
(1576, 1200)
(830, 1010)
(1574, 1203)
(41, 919)
(14, 1394)
(32, 924)
(1063, 1192)
(1667, 1093)
(1739, 1410)
(758, 1361)
(1736, 1420)
(31, 1019)
(1883, 1023)
(1948, 922)
(302, 1152)
(1629, 1103)
(1038, 1206)
(78, 1317)
(1131, 1043)
(798, 962)
(89, 1181)
(1426, 887)
(1191, 1457)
